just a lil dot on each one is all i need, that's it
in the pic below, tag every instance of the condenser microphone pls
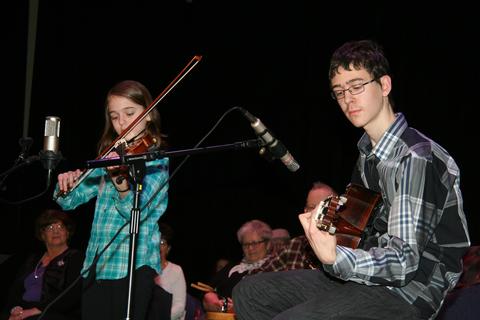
(50, 156)
(276, 148)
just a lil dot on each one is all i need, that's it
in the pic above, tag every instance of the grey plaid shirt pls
(419, 254)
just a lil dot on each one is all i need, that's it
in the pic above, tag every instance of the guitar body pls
(347, 215)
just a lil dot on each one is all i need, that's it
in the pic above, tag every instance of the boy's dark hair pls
(360, 54)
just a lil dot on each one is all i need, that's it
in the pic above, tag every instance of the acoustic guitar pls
(347, 215)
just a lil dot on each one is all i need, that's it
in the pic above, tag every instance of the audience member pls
(280, 239)
(297, 253)
(318, 192)
(254, 236)
(172, 278)
(46, 275)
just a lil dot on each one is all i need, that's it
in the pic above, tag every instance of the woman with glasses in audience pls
(46, 275)
(254, 237)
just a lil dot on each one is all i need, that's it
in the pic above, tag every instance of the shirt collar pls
(387, 142)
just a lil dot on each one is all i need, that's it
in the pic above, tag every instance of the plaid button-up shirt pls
(112, 213)
(419, 255)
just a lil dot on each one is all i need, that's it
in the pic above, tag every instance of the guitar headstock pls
(347, 221)
(326, 212)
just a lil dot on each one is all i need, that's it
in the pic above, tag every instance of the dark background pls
(268, 57)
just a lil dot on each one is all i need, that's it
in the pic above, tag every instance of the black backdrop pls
(268, 57)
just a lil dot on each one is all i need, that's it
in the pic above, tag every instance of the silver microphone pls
(274, 146)
(52, 134)
(50, 156)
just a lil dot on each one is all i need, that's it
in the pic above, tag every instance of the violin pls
(140, 145)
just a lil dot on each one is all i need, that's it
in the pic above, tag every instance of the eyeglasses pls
(163, 242)
(253, 243)
(354, 90)
(54, 226)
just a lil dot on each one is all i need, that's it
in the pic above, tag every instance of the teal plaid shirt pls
(111, 213)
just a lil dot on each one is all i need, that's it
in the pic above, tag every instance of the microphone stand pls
(136, 170)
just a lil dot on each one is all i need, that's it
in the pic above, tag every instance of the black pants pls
(107, 299)
(310, 294)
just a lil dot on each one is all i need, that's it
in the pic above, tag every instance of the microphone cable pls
(18, 165)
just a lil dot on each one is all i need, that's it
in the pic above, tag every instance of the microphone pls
(276, 148)
(50, 156)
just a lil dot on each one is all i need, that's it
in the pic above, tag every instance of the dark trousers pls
(311, 294)
(107, 299)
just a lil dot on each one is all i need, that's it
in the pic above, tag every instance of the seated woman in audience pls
(46, 275)
(172, 278)
(254, 236)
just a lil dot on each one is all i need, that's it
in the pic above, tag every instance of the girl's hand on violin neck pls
(118, 174)
(67, 179)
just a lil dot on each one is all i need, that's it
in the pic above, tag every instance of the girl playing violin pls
(106, 282)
